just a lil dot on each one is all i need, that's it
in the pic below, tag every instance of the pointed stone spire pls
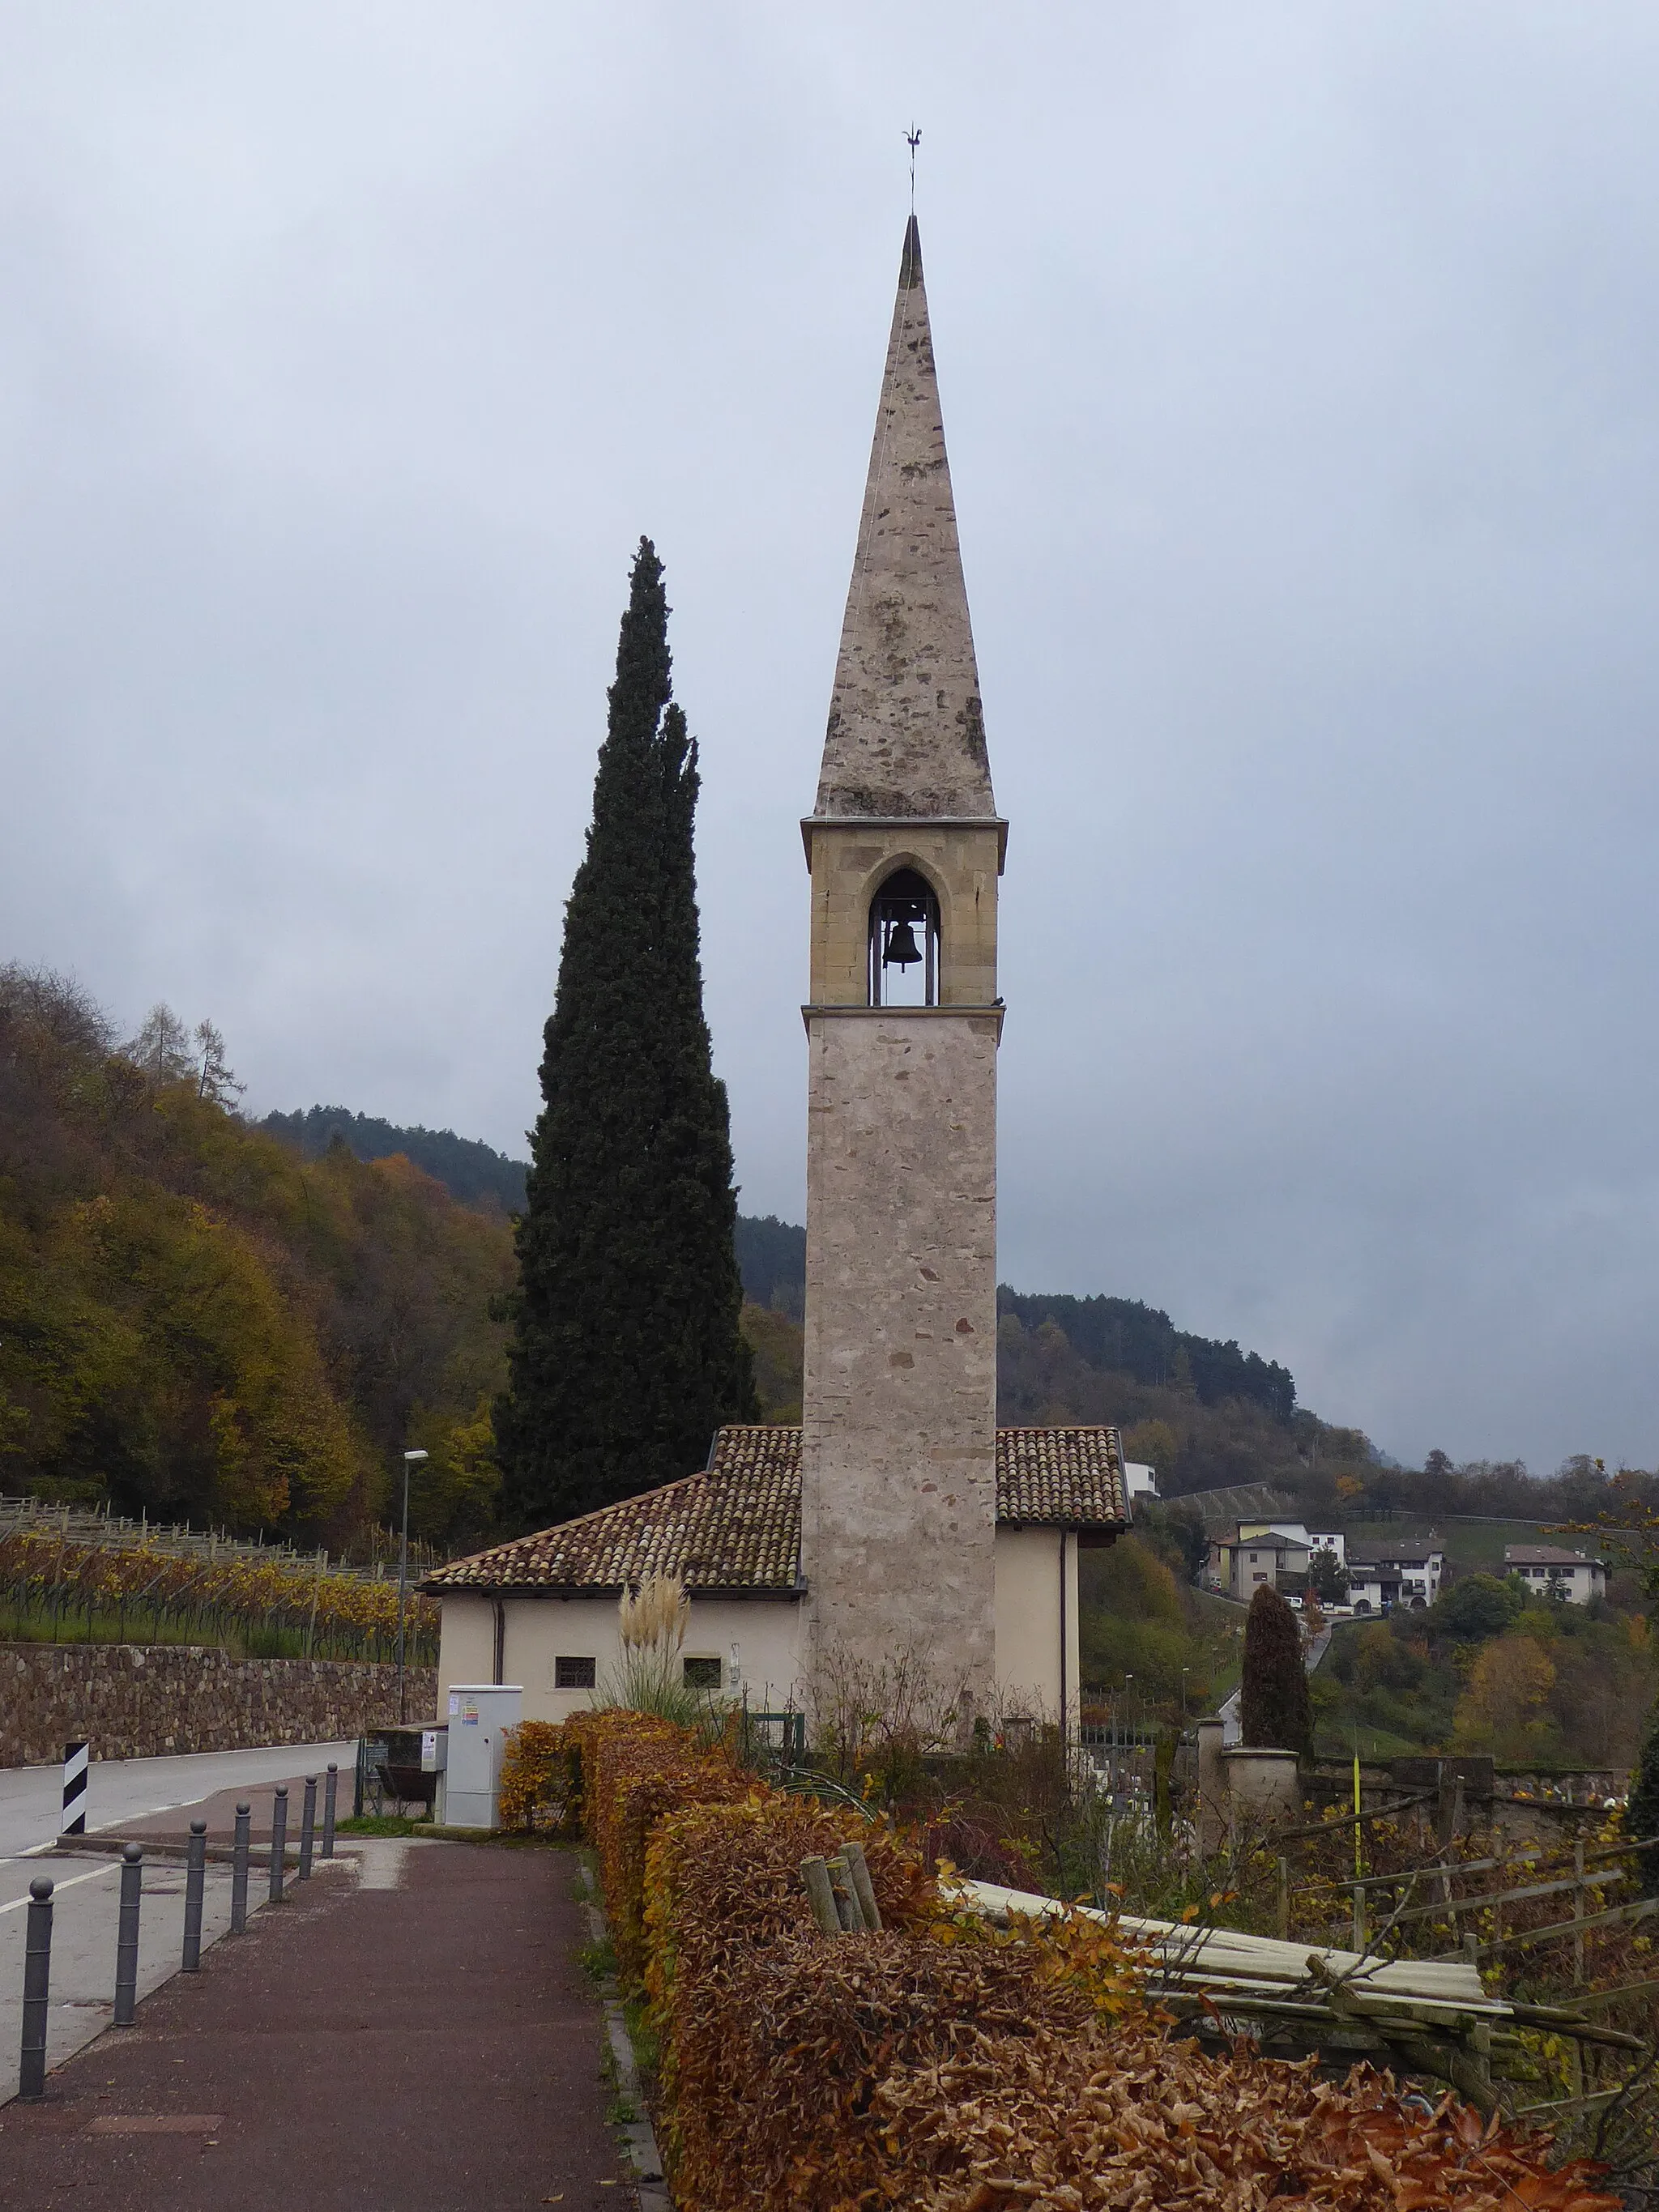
(907, 732)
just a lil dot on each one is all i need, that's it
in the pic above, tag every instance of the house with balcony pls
(1407, 1573)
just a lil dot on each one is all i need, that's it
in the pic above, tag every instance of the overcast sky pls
(1300, 380)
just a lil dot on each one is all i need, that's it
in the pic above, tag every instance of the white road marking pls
(57, 1889)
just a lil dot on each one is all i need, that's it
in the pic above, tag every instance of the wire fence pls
(69, 1576)
(371, 1555)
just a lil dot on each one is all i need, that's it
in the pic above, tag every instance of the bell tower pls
(904, 846)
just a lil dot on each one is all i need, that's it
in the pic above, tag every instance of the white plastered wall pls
(1029, 1562)
(540, 1631)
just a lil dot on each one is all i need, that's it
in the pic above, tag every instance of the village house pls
(1140, 1480)
(1253, 1551)
(896, 1518)
(1372, 1589)
(1241, 1564)
(1549, 1571)
(1405, 1573)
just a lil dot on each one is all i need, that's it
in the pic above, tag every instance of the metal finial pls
(913, 139)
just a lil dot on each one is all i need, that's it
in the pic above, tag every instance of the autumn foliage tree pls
(1277, 1711)
(199, 1325)
(1505, 1708)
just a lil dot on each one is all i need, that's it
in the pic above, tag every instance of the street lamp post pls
(410, 1458)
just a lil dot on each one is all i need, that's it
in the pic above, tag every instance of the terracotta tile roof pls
(1062, 1478)
(736, 1527)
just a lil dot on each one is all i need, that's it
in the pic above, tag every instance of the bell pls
(903, 951)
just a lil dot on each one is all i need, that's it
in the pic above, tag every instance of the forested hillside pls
(1120, 1336)
(475, 1173)
(198, 1323)
(1202, 1412)
(246, 1325)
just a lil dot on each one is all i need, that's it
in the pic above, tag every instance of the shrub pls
(649, 1678)
(946, 2066)
(537, 1775)
(630, 1770)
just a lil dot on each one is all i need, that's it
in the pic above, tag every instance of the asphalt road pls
(120, 1790)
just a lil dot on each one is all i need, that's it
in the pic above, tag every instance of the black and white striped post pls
(126, 1940)
(37, 1981)
(77, 1757)
(195, 1882)
(239, 1858)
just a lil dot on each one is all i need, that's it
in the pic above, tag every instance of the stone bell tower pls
(905, 847)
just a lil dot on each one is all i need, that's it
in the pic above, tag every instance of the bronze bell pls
(903, 951)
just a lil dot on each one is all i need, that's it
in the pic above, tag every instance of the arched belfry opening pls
(904, 942)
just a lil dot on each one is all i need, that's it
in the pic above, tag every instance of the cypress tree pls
(1642, 1810)
(625, 1353)
(1275, 1708)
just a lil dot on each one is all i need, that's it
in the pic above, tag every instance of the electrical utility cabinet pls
(480, 1714)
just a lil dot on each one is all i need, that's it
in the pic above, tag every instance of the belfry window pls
(904, 942)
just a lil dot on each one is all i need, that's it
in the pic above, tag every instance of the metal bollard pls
(238, 1874)
(331, 1789)
(126, 1940)
(278, 1841)
(37, 1977)
(195, 1878)
(308, 1827)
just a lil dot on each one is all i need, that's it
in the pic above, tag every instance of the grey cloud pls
(1298, 371)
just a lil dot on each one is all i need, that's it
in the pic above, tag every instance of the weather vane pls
(913, 139)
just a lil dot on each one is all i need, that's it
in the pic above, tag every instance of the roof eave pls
(787, 1593)
(1067, 1522)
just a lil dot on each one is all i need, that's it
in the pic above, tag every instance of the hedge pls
(945, 2066)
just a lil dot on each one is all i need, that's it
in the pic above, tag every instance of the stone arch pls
(903, 908)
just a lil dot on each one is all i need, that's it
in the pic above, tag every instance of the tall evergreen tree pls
(626, 1353)
(1275, 1706)
(1642, 1811)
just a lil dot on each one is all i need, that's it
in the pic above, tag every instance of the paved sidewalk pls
(86, 1909)
(85, 1916)
(420, 2039)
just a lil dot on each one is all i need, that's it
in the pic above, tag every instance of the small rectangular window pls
(703, 1673)
(574, 1673)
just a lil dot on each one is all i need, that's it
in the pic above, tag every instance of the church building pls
(897, 1521)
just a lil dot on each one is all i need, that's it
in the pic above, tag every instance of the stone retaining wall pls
(142, 1701)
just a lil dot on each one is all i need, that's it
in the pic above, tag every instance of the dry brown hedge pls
(945, 2069)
